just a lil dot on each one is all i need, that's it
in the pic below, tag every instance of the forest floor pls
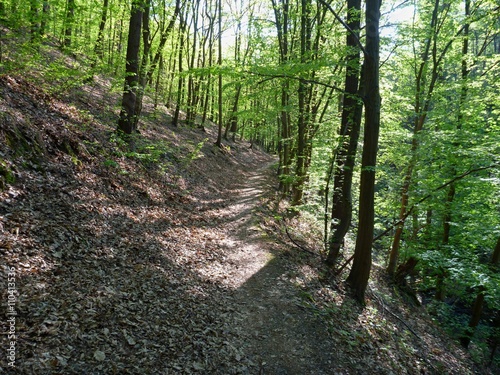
(172, 258)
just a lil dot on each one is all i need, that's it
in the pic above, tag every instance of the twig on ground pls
(386, 308)
(295, 242)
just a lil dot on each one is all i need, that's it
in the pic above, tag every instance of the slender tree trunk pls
(211, 42)
(303, 118)
(450, 196)
(34, 21)
(144, 66)
(172, 66)
(126, 123)
(158, 83)
(69, 23)
(180, 83)
(232, 124)
(423, 97)
(282, 28)
(192, 96)
(163, 40)
(349, 133)
(463, 98)
(45, 17)
(218, 142)
(360, 271)
(98, 48)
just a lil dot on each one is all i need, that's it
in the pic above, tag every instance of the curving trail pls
(275, 334)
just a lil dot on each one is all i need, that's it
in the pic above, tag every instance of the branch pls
(390, 54)
(421, 340)
(346, 26)
(275, 76)
(395, 315)
(294, 242)
(345, 265)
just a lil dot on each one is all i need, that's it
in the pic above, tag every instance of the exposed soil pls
(169, 260)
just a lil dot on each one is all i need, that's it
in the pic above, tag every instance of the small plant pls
(195, 154)
(110, 163)
(6, 175)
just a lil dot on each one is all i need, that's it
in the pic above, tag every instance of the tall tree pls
(360, 271)
(69, 23)
(303, 116)
(425, 84)
(349, 134)
(218, 142)
(144, 61)
(126, 122)
(281, 14)
(180, 82)
(98, 47)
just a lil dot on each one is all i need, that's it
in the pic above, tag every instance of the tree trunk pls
(158, 82)
(284, 169)
(69, 22)
(303, 119)
(98, 50)
(477, 308)
(126, 123)
(463, 98)
(163, 40)
(349, 132)
(218, 142)
(208, 87)
(362, 261)
(192, 93)
(422, 104)
(180, 83)
(143, 68)
(34, 21)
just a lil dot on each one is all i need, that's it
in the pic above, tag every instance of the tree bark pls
(282, 26)
(69, 22)
(192, 91)
(126, 123)
(349, 132)
(218, 142)
(303, 118)
(180, 83)
(98, 50)
(360, 271)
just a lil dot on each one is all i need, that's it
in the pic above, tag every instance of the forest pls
(250, 187)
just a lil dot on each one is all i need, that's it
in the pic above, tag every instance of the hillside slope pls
(168, 259)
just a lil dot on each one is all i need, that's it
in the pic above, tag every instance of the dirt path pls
(276, 335)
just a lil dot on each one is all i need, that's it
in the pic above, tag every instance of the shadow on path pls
(275, 334)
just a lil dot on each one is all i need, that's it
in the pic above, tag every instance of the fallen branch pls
(294, 242)
(345, 264)
(421, 340)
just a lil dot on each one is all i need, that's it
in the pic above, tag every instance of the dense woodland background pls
(386, 125)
